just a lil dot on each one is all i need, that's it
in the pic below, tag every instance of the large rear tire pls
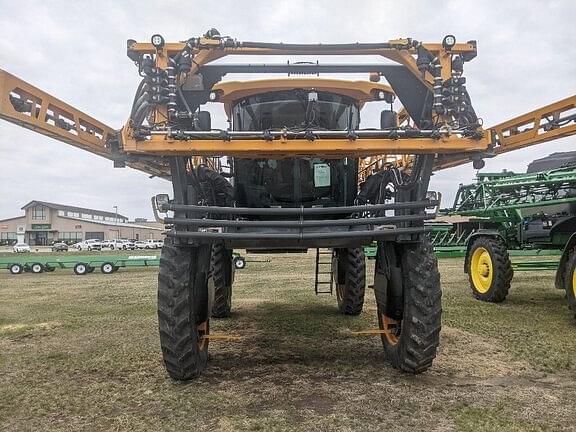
(349, 273)
(570, 282)
(411, 338)
(222, 274)
(184, 303)
(489, 270)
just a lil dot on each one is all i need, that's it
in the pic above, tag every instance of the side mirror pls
(204, 121)
(436, 197)
(388, 119)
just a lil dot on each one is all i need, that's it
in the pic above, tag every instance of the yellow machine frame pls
(55, 118)
(210, 49)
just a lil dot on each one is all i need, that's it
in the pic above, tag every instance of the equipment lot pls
(83, 353)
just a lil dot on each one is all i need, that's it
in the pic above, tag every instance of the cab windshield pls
(296, 109)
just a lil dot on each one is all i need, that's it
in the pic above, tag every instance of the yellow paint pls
(481, 270)
(362, 91)
(388, 327)
(326, 147)
(574, 283)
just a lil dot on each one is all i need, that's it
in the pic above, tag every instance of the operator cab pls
(295, 182)
(305, 181)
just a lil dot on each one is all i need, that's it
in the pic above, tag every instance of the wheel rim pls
(390, 329)
(36, 268)
(107, 268)
(482, 270)
(81, 269)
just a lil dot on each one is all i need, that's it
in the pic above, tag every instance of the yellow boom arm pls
(27, 106)
(550, 122)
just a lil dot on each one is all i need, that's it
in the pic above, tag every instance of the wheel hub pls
(390, 329)
(481, 270)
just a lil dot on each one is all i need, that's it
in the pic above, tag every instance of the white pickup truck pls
(92, 244)
(153, 244)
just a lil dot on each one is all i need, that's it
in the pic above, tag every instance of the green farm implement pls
(81, 264)
(504, 215)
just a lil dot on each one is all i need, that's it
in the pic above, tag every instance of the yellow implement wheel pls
(489, 269)
(481, 269)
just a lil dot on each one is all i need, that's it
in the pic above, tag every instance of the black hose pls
(179, 90)
(141, 114)
(137, 95)
(139, 103)
(315, 47)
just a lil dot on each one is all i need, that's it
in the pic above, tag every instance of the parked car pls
(59, 247)
(116, 244)
(91, 244)
(140, 244)
(154, 244)
(21, 247)
(105, 243)
(129, 244)
(121, 244)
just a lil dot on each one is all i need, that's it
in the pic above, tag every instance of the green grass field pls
(81, 353)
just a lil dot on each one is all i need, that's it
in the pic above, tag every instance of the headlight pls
(158, 41)
(449, 41)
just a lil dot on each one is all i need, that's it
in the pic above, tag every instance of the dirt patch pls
(466, 354)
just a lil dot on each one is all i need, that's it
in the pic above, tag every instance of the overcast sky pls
(77, 52)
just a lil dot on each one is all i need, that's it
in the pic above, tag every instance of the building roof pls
(114, 224)
(12, 218)
(73, 208)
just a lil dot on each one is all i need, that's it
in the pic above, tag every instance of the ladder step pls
(323, 267)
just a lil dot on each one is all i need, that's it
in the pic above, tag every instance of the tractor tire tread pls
(421, 324)
(502, 270)
(221, 268)
(568, 284)
(355, 282)
(177, 331)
